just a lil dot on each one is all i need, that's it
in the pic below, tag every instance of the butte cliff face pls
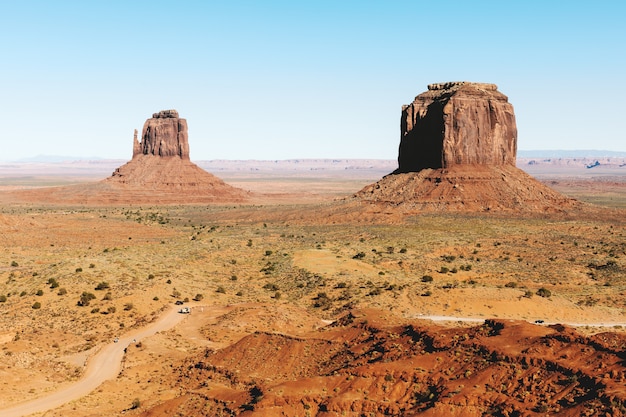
(457, 152)
(457, 123)
(165, 134)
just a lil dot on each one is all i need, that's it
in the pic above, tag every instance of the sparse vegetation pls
(544, 292)
(85, 299)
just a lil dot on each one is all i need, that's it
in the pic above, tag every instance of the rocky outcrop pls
(457, 123)
(164, 135)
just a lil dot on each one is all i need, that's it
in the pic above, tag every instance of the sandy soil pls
(269, 277)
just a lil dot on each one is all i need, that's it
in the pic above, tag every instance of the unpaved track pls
(105, 365)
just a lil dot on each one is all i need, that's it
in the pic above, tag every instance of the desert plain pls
(298, 312)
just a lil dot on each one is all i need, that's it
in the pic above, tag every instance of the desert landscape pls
(455, 281)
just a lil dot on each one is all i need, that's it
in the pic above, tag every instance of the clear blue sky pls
(300, 79)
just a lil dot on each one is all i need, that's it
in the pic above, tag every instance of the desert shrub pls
(276, 295)
(427, 293)
(3, 298)
(111, 310)
(128, 306)
(403, 250)
(92, 265)
(150, 276)
(375, 291)
(39, 293)
(511, 284)
(14, 264)
(186, 299)
(23, 293)
(108, 296)
(359, 255)
(36, 305)
(448, 258)
(85, 299)
(271, 287)
(221, 290)
(342, 285)
(79, 269)
(528, 294)
(102, 286)
(427, 278)
(198, 297)
(239, 293)
(454, 270)
(62, 291)
(233, 277)
(268, 252)
(544, 292)
(444, 270)
(322, 301)
(135, 404)
(95, 310)
(390, 249)
(155, 298)
(268, 268)
(176, 293)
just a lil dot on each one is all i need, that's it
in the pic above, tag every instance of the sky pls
(273, 80)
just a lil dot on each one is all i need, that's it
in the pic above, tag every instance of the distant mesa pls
(458, 146)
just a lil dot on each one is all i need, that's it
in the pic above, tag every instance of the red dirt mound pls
(362, 366)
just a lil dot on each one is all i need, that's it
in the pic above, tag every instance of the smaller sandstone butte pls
(161, 172)
(457, 123)
(165, 134)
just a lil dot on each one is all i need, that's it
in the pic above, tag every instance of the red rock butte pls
(165, 134)
(160, 170)
(458, 146)
(457, 123)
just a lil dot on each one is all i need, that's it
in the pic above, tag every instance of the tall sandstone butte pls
(457, 123)
(165, 134)
(457, 152)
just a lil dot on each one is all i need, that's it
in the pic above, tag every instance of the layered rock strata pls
(457, 152)
(165, 134)
(457, 123)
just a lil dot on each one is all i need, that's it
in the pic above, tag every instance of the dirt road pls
(105, 365)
